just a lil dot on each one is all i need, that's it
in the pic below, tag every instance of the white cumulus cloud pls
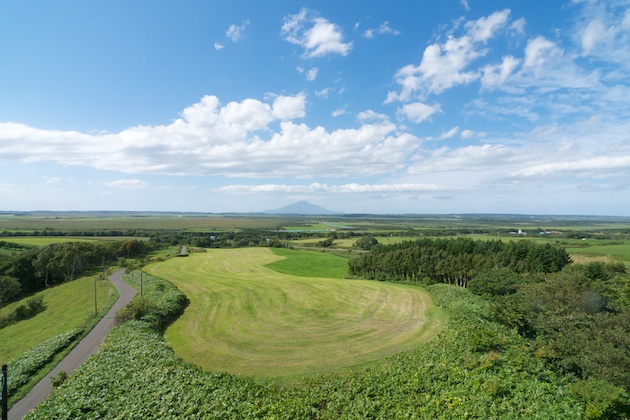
(444, 65)
(418, 112)
(289, 107)
(318, 36)
(235, 139)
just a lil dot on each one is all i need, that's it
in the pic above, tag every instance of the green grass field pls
(245, 318)
(616, 252)
(42, 241)
(68, 306)
(309, 264)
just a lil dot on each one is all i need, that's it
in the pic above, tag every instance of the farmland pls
(275, 332)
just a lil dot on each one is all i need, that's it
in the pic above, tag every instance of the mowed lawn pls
(245, 318)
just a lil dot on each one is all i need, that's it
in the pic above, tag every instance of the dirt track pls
(87, 347)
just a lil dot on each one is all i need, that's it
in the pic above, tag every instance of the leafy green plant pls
(58, 379)
(20, 368)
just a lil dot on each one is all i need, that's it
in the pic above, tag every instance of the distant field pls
(88, 222)
(104, 221)
(616, 251)
(68, 306)
(41, 241)
(245, 318)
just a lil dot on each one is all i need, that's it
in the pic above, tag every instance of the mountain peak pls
(302, 207)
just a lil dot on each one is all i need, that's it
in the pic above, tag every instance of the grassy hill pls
(68, 306)
(248, 319)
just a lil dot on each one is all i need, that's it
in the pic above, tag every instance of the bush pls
(24, 366)
(61, 377)
(160, 304)
(25, 311)
(140, 308)
(499, 282)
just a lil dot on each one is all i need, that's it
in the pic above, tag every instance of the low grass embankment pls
(33, 346)
(246, 318)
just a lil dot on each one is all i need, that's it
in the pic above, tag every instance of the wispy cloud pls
(352, 188)
(381, 30)
(235, 32)
(52, 179)
(126, 184)
(310, 74)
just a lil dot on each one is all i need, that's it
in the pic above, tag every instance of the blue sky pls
(411, 106)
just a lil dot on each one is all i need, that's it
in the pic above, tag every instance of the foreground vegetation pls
(32, 346)
(65, 307)
(475, 368)
(520, 343)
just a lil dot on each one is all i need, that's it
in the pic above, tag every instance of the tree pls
(43, 263)
(131, 248)
(499, 282)
(326, 243)
(366, 243)
(9, 288)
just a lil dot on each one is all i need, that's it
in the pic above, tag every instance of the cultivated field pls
(42, 241)
(245, 318)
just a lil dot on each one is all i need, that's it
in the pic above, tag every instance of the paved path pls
(87, 347)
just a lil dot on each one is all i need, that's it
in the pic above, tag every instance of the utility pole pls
(104, 276)
(95, 305)
(5, 394)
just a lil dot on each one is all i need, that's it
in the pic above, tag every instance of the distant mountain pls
(302, 208)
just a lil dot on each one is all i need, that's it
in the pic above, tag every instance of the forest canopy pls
(456, 261)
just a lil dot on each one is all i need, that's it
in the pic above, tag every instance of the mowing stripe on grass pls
(247, 319)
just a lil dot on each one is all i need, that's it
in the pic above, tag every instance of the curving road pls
(87, 347)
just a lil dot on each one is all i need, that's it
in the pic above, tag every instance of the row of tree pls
(36, 269)
(455, 261)
(577, 317)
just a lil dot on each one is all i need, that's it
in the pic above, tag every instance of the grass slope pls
(245, 318)
(68, 306)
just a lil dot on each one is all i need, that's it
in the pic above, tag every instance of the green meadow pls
(309, 264)
(68, 306)
(246, 318)
(42, 241)
(617, 251)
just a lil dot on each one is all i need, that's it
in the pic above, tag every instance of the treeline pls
(54, 232)
(455, 261)
(574, 317)
(37, 269)
(232, 239)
